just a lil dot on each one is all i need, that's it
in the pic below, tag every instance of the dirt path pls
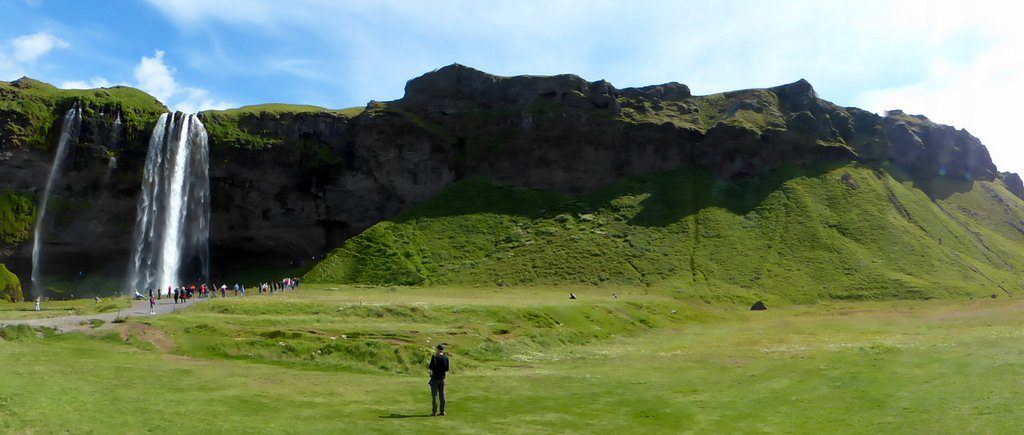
(72, 323)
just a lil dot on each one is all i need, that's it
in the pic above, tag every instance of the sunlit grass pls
(910, 366)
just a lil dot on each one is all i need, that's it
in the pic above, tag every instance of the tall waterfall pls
(172, 228)
(68, 129)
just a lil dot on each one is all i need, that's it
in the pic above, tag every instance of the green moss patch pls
(10, 285)
(17, 216)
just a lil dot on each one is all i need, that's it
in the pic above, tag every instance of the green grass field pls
(74, 307)
(525, 360)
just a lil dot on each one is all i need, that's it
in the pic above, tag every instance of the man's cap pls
(440, 347)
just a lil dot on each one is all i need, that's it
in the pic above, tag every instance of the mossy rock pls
(17, 215)
(10, 285)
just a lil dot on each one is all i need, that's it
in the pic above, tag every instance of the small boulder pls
(758, 306)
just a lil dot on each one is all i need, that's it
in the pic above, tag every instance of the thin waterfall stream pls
(69, 129)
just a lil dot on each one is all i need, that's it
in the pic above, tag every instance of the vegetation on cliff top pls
(31, 109)
(226, 127)
(10, 285)
(800, 235)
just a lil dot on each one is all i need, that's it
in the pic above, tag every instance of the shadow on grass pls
(396, 415)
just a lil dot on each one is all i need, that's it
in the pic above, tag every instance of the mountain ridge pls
(291, 183)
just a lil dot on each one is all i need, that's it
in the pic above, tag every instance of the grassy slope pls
(847, 367)
(41, 105)
(849, 233)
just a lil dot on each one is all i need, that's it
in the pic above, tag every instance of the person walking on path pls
(152, 305)
(438, 369)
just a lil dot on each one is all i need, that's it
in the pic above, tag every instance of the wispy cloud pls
(28, 48)
(18, 54)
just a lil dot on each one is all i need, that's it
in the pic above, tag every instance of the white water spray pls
(172, 227)
(69, 128)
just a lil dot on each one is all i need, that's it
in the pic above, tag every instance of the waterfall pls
(172, 227)
(68, 129)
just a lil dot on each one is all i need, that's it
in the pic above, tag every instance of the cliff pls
(291, 183)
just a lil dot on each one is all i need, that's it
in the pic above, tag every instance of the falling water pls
(172, 228)
(70, 125)
(115, 136)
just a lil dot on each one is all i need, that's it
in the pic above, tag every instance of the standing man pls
(438, 368)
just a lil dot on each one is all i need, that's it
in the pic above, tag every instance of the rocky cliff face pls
(288, 183)
(93, 206)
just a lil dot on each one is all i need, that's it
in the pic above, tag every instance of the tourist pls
(152, 305)
(175, 296)
(438, 369)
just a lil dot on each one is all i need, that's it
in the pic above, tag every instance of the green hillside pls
(799, 235)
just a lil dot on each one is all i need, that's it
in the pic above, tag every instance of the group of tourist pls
(183, 293)
(284, 284)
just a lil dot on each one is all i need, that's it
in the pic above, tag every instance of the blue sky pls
(960, 63)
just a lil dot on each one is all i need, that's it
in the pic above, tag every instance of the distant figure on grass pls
(572, 295)
(152, 305)
(39, 303)
(438, 368)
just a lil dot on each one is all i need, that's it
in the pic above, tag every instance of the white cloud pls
(95, 82)
(196, 100)
(155, 77)
(18, 55)
(28, 48)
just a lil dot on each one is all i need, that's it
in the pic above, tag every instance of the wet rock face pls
(93, 205)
